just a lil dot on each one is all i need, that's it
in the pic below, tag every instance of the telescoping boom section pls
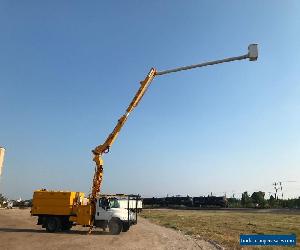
(104, 148)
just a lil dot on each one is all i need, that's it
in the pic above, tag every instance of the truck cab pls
(110, 214)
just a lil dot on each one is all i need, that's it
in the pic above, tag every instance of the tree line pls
(258, 200)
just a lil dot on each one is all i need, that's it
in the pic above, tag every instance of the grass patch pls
(225, 227)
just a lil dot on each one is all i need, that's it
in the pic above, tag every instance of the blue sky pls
(70, 68)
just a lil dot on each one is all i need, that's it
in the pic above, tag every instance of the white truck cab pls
(110, 213)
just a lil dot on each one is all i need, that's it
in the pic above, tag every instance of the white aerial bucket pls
(2, 152)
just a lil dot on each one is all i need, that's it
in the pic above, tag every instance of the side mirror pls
(252, 52)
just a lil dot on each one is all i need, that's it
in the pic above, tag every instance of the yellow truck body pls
(56, 202)
(84, 213)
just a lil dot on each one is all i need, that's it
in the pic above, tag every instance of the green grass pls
(225, 227)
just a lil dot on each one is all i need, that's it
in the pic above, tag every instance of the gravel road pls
(18, 230)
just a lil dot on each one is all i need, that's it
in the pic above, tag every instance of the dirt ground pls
(18, 230)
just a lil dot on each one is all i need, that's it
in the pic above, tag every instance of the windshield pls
(114, 203)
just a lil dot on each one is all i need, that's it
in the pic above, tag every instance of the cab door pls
(103, 210)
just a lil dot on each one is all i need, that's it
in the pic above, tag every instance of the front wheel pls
(115, 226)
(126, 227)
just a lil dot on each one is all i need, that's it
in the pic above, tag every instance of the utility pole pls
(279, 187)
(280, 183)
(275, 184)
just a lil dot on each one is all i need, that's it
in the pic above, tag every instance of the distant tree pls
(272, 201)
(298, 202)
(258, 198)
(290, 203)
(246, 200)
(2, 199)
(234, 202)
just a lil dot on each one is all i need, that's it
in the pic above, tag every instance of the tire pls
(53, 224)
(125, 227)
(66, 226)
(115, 226)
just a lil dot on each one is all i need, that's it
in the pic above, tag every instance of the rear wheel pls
(53, 224)
(115, 226)
(66, 226)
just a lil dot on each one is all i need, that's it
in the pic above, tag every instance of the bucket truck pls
(60, 210)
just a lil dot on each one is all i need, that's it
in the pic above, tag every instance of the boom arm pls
(135, 101)
(104, 148)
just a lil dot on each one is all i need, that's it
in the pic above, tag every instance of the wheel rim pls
(114, 227)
